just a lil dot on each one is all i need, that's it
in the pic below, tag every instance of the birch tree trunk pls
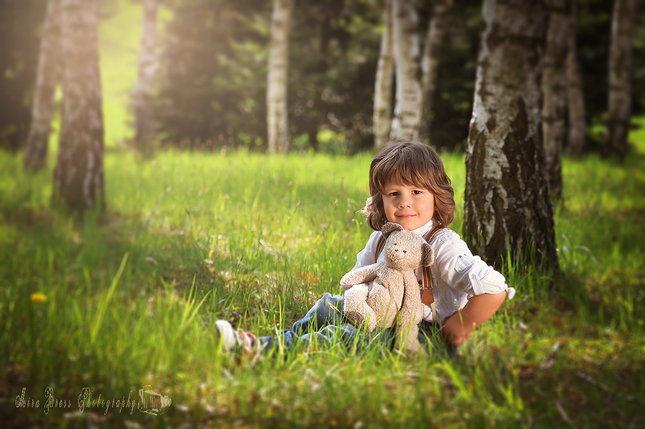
(620, 91)
(430, 59)
(575, 96)
(142, 100)
(277, 117)
(407, 110)
(47, 77)
(383, 87)
(78, 177)
(554, 83)
(507, 204)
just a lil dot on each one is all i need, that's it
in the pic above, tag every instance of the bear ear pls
(389, 228)
(428, 255)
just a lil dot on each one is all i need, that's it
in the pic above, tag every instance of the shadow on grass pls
(75, 270)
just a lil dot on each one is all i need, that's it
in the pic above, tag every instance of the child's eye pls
(394, 194)
(417, 192)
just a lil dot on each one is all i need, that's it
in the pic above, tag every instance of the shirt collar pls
(425, 228)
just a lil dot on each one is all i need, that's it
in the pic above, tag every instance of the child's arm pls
(460, 270)
(365, 258)
(478, 309)
(368, 255)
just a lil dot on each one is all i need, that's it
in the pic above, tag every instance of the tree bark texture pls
(430, 59)
(277, 118)
(554, 83)
(48, 75)
(383, 87)
(142, 97)
(620, 91)
(407, 110)
(78, 176)
(507, 204)
(575, 96)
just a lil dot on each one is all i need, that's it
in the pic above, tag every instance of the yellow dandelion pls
(38, 297)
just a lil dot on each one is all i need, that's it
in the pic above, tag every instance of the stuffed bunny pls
(386, 294)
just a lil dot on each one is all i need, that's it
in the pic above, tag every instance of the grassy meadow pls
(129, 300)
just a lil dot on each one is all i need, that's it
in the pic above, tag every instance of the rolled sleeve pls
(492, 283)
(460, 270)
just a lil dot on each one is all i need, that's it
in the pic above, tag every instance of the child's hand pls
(479, 309)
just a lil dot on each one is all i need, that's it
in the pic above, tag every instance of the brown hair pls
(414, 164)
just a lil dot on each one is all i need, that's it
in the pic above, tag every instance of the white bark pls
(620, 91)
(407, 110)
(47, 76)
(575, 96)
(430, 58)
(142, 96)
(78, 176)
(554, 82)
(383, 86)
(506, 198)
(277, 118)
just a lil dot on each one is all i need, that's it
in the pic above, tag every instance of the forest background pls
(128, 300)
(211, 86)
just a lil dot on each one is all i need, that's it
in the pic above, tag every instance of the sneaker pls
(238, 341)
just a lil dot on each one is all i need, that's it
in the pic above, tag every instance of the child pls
(409, 186)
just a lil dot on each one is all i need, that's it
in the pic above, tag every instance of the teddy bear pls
(386, 294)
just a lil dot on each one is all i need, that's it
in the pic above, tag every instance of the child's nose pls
(405, 202)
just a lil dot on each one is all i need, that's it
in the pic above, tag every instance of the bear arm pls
(360, 275)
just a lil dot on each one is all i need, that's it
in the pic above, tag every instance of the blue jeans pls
(324, 323)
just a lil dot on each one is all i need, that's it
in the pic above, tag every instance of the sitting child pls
(408, 186)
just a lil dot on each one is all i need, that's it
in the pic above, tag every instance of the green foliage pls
(213, 74)
(453, 100)
(212, 83)
(211, 91)
(190, 238)
(20, 24)
(119, 39)
(333, 56)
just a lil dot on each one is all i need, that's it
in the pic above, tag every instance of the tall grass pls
(193, 237)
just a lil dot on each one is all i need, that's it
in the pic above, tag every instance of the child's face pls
(409, 206)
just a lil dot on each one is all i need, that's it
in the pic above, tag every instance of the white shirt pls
(457, 274)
